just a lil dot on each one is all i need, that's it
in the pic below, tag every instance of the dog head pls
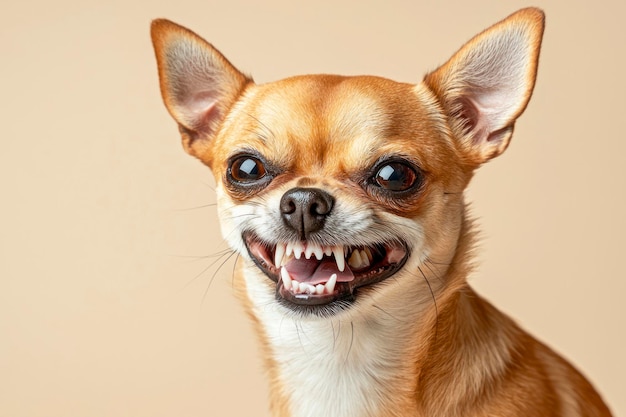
(346, 190)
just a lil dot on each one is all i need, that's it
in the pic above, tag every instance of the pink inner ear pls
(473, 121)
(200, 109)
(484, 113)
(201, 102)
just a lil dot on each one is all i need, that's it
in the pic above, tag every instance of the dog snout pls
(304, 210)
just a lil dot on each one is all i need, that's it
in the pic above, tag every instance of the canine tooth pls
(320, 288)
(330, 285)
(279, 254)
(340, 257)
(355, 259)
(287, 282)
(297, 250)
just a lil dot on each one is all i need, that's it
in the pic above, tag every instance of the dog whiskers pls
(435, 274)
(351, 341)
(206, 291)
(239, 216)
(382, 310)
(431, 261)
(197, 207)
(193, 258)
(434, 301)
(332, 328)
(209, 185)
(267, 130)
(225, 255)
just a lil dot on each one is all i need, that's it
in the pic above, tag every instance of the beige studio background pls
(105, 304)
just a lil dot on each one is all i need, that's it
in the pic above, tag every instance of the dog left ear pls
(487, 84)
(198, 84)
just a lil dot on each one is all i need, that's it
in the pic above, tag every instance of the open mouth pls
(310, 274)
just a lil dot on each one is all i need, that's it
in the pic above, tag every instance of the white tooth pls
(330, 285)
(339, 257)
(279, 254)
(365, 261)
(295, 286)
(328, 250)
(289, 249)
(311, 289)
(308, 251)
(286, 278)
(297, 250)
(355, 259)
(319, 252)
(303, 287)
(320, 288)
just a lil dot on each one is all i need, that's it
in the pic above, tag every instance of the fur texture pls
(374, 170)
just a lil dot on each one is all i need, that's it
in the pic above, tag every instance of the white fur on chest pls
(340, 367)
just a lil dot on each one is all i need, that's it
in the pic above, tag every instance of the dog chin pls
(313, 278)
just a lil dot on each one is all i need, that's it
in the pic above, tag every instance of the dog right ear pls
(486, 85)
(198, 84)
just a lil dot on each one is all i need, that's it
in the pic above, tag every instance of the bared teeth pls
(319, 252)
(360, 258)
(340, 257)
(330, 285)
(369, 255)
(284, 252)
(314, 249)
(287, 281)
(305, 288)
(355, 259)
(279, 254)
(365, 259)
(298, 248)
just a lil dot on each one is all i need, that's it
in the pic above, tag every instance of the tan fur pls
(452, 352)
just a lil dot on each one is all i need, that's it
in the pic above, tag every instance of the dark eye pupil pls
(247, 169)
(395, 177)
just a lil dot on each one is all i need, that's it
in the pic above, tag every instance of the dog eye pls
(395, 176)
(247, 169)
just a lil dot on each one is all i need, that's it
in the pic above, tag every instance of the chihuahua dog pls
(344, 197)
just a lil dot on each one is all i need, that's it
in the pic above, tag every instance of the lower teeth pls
(304, 288)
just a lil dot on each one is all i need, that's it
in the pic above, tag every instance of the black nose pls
(305, 209)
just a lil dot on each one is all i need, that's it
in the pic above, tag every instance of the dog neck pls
(370, 362)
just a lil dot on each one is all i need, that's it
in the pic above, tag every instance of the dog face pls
(344, 191)
(329, 186)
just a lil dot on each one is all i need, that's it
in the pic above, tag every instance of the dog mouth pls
(310, 274)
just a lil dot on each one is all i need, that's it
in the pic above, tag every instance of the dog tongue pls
(316, 272)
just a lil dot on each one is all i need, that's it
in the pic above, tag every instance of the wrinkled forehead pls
(324, 108)
(329, 122)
